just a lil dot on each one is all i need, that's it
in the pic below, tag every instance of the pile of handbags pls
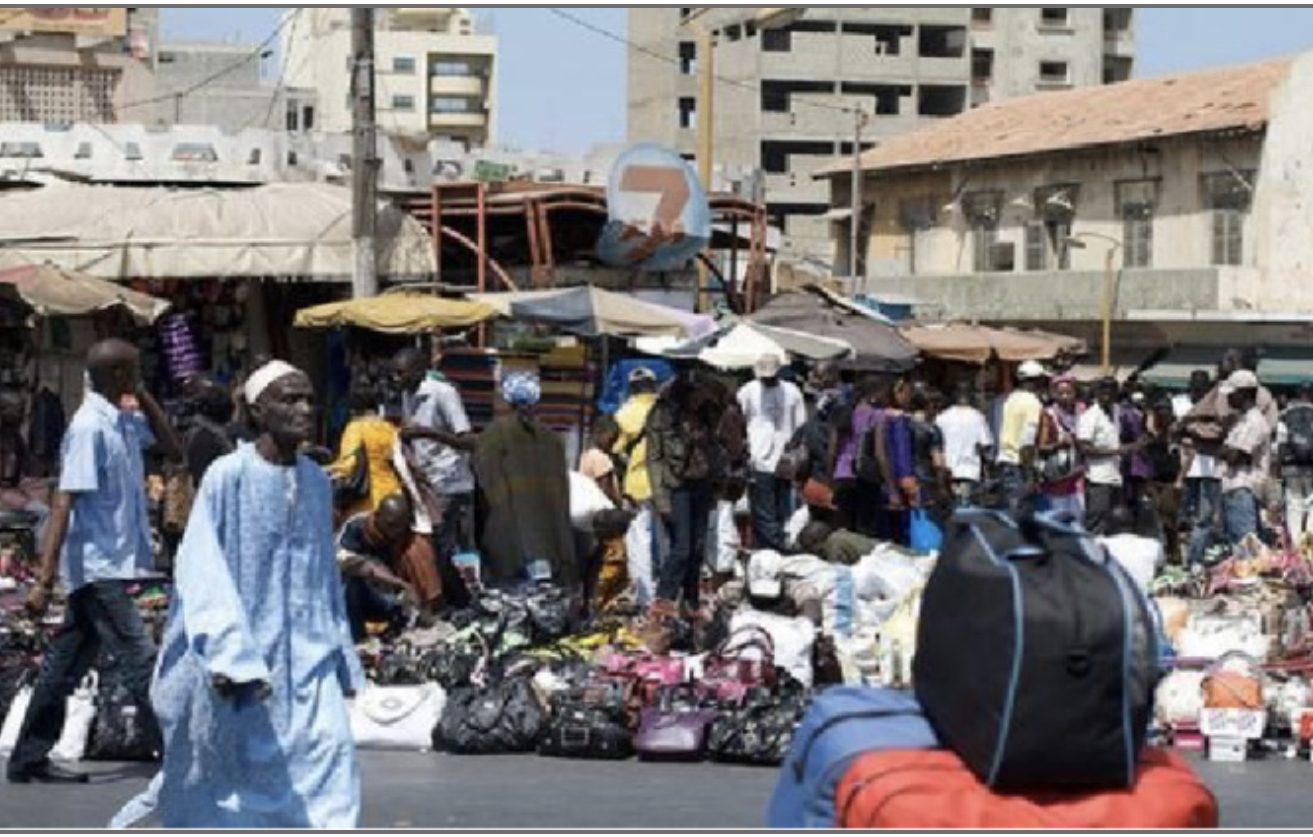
(519, 675)
(1035, 669)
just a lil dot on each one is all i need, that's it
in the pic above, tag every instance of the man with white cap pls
(1019, 432)
(257, 659)
(1246, 456)
(98, 540)
(774, 410)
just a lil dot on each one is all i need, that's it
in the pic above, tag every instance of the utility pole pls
(706, 42)
(854, 245)
(364, 162)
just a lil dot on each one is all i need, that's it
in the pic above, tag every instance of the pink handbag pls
(649, 673)
(729, 675)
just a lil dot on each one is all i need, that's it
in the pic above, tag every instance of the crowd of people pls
(289, 552)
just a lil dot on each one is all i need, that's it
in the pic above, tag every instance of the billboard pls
(659, 216)
(106, 22)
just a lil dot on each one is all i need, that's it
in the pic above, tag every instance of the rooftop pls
(1233, 99)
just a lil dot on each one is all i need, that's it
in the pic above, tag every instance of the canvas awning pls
(877, 344)
(400, 313)
(969, 343)
(739, 345)
(48, 290)
(298, 230)
(589, 312)
(1174, 370)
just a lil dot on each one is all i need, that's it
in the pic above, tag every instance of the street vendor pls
(387, 568)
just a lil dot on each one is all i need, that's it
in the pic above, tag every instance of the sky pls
(548, 103)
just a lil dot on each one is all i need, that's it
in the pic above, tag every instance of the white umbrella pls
(740, 345)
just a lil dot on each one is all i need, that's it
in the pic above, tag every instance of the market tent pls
(300, 230)
(739, 345)
(877, 344)
(969, 343)
(49, 290)
(400, 313)
(590, 312)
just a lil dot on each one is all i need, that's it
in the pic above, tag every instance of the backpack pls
(867, 466)
(1037, 655)
(1298, 449)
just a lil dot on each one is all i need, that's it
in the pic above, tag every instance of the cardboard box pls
(1227, 749)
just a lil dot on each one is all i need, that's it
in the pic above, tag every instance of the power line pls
(213, 77)
(651, 53)
(282, 73)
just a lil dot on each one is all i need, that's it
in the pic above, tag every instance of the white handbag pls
(397, 717)
(14, 721)
(81, 713)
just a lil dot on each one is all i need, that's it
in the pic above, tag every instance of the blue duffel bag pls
(843, 724)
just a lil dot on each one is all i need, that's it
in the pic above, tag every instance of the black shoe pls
(46, 774)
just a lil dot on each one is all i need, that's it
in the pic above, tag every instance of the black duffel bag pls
(588, 722)
(1036, 656)
(503, 717)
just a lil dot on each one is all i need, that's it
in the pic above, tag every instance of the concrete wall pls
(833, 59)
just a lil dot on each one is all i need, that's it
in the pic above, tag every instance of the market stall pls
(877, 344)
(738, 345)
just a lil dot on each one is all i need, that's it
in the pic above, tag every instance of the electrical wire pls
(651, 53)
(282, 73)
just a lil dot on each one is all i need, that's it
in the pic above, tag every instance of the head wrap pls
(262, 378)
(521, 389)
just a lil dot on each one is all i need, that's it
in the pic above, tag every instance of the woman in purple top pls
(901, 489)
(856, 494)
(1132, 423)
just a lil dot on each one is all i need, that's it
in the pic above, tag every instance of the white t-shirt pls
(437, 405)
(773, 415)
(965, 431)
(1098, 430)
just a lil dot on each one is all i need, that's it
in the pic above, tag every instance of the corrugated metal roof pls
(1234, 99)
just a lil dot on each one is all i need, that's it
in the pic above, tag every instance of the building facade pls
(64, 64)
(229, 86)
(1192, 190)
(784, 99)
(434, 74)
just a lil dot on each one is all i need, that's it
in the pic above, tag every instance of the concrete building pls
(229, 86)
(784, 100)
(1197, 187)
(435, 75)
(63, 64)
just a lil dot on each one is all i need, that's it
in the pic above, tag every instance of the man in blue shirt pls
(99, 539)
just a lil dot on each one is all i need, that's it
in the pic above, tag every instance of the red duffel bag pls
(933, 789)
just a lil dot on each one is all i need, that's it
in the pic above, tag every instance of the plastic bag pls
(925, 536)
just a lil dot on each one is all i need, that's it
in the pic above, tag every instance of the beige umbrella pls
(50, 290)
(589, 312)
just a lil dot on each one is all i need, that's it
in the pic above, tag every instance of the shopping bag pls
(925, 535)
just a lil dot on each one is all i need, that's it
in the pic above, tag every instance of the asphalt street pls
(435, 791)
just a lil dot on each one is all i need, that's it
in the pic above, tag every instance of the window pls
(21, 150)
(982, 66)
(914, 216)
(1037, 251)
(1228, 196)
(688, 112)
(451, 104)
(255, 157)
(404, 65)
(775, 154)
(982, 17)
(1055, 212)
(132, 151)
(307, 118)
(942, 41)
(83, 151)
(981, 210)
(1054, 72)
(1054, 18)
(776, 40)
(1136, 202)
(403, 102)
(941, 100)
(194, 152)
(447, 69)
(688, 58)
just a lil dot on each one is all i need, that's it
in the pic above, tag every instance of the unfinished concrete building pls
(783, 97)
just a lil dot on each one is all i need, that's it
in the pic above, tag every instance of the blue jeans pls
(1203, 504)
(680, 572)
(1239, 514)
(100, 616)
(770, 500)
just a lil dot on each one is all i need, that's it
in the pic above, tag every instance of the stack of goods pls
(1034, 671)
(182, 353)
(1245, 620)
(474, 373)
(518, 674)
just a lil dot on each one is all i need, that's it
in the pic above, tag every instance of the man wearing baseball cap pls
(647, 541)
(1019, 432)
(774, 411)
(1246, 456)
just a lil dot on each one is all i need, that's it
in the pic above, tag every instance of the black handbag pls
(550, 613)
(760, 730)
(1036, 655)
(452, 665)
(401, 666)
(121, 731)
(503, 717)
(588, 723)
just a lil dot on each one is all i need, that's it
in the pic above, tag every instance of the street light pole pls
(1109, 289)
(364, 169)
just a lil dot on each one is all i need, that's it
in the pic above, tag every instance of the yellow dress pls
(377, 438)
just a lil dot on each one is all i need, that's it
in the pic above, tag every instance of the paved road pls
(426, 791)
